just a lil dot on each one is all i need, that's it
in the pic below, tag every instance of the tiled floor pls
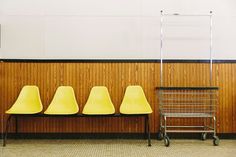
(117, 148)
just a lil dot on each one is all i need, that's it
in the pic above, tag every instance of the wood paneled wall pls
(116, 76)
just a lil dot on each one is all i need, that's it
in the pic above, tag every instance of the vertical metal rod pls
(161, 44)
(160, 109)
(145, 126)
(0, 36)
(161, 125)
(148, 129)
(161, 69)
(165, 125)
(16, 127)
(210, 48)
(214, 119)
(6, 131)
(211, 65)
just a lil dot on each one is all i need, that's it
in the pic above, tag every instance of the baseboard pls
(111, 136)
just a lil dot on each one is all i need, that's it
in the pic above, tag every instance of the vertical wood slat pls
(116, 76)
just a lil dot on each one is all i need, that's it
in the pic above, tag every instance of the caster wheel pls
(216, 141)
(160, 136)
(166, 141)
(204, 136)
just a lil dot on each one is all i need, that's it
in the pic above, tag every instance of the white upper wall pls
(92, 29)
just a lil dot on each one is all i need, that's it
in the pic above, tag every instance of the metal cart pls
(187, 102)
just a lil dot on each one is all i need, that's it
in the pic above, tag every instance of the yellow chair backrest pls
(135, 102)
(99, 102)
(64, 102)
(28, 102)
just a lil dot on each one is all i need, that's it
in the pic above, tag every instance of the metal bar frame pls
(164, 129)
(161, 42)
(177, 14)
(186, 126)
(17, 116)
(190, 131)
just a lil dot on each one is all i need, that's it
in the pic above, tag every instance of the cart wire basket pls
(190, 103)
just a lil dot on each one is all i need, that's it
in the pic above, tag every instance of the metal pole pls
(161, 73)
(161, 43)
(0, 36)
(16, 127)
(210, 48)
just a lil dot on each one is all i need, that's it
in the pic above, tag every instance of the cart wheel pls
(160, 136)
(204, 136)
(166, 141)
(216, 141)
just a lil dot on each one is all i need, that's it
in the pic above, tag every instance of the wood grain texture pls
(116, 76)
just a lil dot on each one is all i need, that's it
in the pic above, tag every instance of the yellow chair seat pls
(28, 102)
(63, 103)
(135, 102)
(99, 102)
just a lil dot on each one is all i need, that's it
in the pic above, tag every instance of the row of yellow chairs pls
(64, 102)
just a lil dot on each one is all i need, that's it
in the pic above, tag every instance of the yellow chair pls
(63, 103)
(99, 102)
(28, 102)
(135, 102)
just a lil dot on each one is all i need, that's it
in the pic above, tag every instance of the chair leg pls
(145, 127)
(6, 131)
(148, 130)
(16, 127)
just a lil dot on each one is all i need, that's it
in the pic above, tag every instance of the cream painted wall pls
(86, 29)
